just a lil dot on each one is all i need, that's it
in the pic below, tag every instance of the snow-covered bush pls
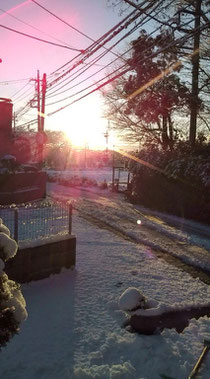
(73, 181)
(12, 303)
(8, 164)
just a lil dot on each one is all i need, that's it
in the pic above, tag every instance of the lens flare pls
(14, 8)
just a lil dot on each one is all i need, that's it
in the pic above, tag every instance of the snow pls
(8, 157)
(12, 297)
(99, 175)
(74, 326)
(3, 228)
(130, 299)
(191, 246)
(8, 246)
(18, 304)
(45, 240)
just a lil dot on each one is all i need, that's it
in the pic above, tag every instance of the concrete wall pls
(22, 187)
(38, 262)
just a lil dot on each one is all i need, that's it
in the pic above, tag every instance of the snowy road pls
(187, 241)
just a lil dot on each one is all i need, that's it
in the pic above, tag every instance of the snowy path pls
(74, 329)
(111, 210)
(74, 326)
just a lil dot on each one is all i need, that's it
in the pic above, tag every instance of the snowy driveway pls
(74, 329)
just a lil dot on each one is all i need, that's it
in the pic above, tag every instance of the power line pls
(90, 64)
(75, 94)
(84, 89)
(142, 22)
(100, 39)
(19, 90)
(97, 42)
(168, 70)
(68, 24)
(27, 123)
(63, 21)
(89, 93)
(108, 37)
(39, 39)
(7, 82)
(89, 77)
(94, 90)
(31, 26)
(21, 97)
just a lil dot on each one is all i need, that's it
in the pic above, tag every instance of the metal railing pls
(40, 220)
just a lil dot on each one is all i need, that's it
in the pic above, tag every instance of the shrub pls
(12, 303)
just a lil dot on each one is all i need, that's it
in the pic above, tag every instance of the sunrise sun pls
(84, 126)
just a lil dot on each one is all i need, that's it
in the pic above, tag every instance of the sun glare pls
(88, 136)
(84, 126)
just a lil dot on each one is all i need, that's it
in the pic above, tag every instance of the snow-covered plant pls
(12, 303)
(8, 164)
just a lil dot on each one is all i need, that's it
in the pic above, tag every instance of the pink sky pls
(22, 57)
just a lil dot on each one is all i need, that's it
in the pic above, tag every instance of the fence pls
(38, 220)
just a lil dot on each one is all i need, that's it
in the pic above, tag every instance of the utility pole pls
(37, 106)
(196, 12)
(195, 63)
(106, 135)
(40, 136)
(113, 168)
(44, 88)
(195, 74)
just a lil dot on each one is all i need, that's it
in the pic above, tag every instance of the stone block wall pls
(40, 261)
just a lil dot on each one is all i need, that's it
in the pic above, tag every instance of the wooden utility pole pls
(195, 74)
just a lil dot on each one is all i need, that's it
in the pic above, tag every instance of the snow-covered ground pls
(74, 326)
(99, 175)
(187, 240)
